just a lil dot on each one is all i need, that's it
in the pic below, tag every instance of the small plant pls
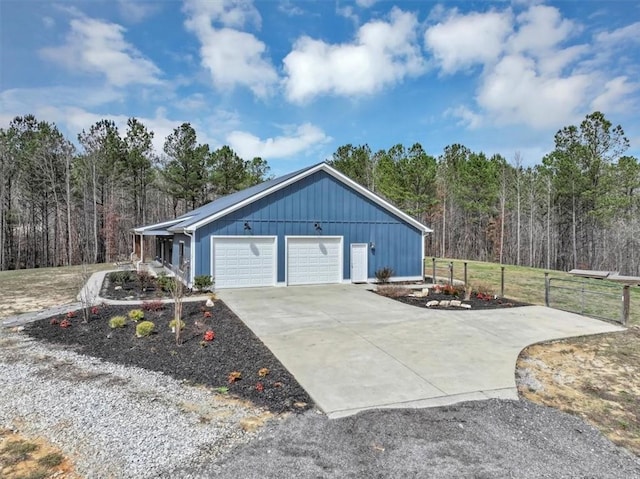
(120, 277)
(259, 387)
(174, 322)
(207, 314)
(95, 310)
(136, 315)
(222, 390)
(202, 282)
(203, 344)
(54, 322)
(383, 275)
(154, 305)
(262, 372)
(163, 281)
(65, 323)
(145, 280)
(234, 376)
(389, 291)
(52, 459)
(71, 314)
(209, 335)
(117, 322)
(145, 328)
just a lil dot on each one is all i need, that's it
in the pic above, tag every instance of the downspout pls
(192, 256)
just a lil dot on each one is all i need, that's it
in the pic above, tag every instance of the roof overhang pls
(320, 167)
(158, 229)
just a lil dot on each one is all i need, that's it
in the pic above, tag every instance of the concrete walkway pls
(354, 350)
(91, 295)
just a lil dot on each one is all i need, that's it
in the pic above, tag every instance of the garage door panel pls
(244, 262)
(314, 260)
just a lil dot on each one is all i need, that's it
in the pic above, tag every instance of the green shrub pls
(120, 277)
(384, 274)
(202, 282)
(136, 315)
(145, 328)
(173, 322)
(163, 281)
(117, 322)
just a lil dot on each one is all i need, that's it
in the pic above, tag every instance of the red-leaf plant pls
(207, 314)
(71, 314)
(65, 323)
(209, 335)
(259, 387)
(95, 310)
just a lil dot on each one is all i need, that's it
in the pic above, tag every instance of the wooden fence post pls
(547, 286)
(502, 281)
(433, 277)
(451, 273)
(625, 305)
(465, 276)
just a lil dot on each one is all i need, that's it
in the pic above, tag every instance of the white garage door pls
(314, 260)
(244, 262)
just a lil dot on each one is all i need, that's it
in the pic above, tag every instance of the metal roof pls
(226, 204)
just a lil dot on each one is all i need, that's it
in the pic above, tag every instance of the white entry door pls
(359, 262)
(240, 262)
(314, 259)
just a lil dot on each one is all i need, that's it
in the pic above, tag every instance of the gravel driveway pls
(125, 422)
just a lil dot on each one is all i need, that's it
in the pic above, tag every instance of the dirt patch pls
(596, 378)
(232, 351)
(22, 457)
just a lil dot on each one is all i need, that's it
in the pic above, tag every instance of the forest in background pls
(66, 203)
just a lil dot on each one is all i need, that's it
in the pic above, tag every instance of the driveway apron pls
(353, 350)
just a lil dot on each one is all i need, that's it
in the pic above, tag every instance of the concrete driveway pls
(354, 350)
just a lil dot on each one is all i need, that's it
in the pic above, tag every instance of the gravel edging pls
(114, 420)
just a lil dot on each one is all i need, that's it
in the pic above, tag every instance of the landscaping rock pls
(432, 304)
(455, 303)
(445, 303)
(209, 303)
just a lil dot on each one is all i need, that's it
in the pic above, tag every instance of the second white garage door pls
(240, 262)
(314, 259)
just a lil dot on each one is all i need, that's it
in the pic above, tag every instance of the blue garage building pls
(308, 227)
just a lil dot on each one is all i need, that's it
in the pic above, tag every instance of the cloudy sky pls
(290, 81)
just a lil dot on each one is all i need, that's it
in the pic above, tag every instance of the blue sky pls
(290, 81)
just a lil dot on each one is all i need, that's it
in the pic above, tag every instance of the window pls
(181, 255)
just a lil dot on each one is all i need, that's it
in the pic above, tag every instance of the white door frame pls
(366, 262)
(213, 238)
(286, 253)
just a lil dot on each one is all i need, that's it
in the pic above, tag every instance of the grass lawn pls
(527, 284)
(27, 290)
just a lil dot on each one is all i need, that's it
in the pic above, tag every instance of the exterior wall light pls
(317, 227)
(247, 226)
(372, 245)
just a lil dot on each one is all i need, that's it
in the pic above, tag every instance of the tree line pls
(64, 204)
(579, 207)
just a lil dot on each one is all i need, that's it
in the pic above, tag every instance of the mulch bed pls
(130, 289)
(235, 348)
(476, 303)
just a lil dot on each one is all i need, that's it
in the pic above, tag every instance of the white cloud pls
(615, 94)
(365, 3)
(461, 41)
(533, 71)
(382, 54)
(540, 29)
(96, 46)
(515, 92)
(629, 33)
(135, 11)
(288, 8)
(48, 22)
(301, 138)
(467, 117)
(233, 57)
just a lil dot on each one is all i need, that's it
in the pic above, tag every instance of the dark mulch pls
(493, 303)
(131, 289)
(235, 348)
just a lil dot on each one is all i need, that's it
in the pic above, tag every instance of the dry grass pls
(22, 458)
(393, 291)
(596, 378)
(27, 290)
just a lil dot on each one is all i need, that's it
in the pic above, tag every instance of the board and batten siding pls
(339, 210)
